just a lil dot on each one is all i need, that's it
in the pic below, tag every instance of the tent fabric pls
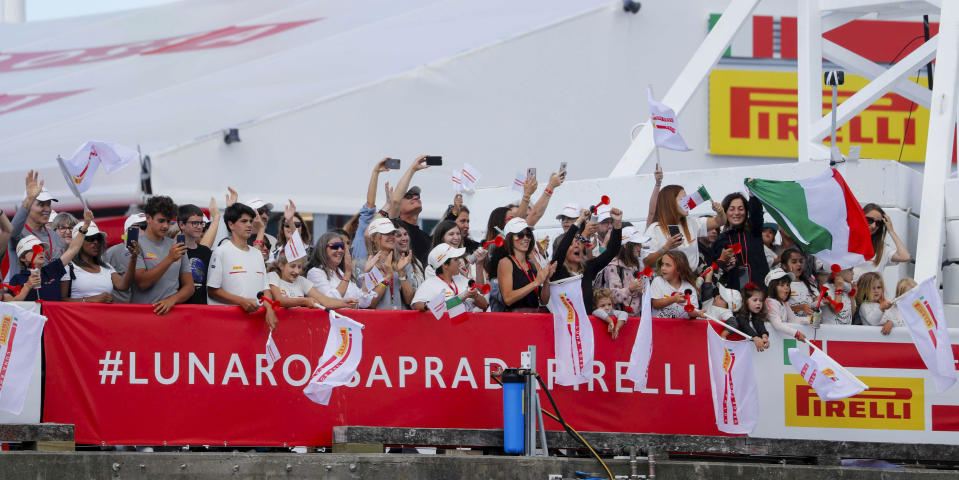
(171, 78)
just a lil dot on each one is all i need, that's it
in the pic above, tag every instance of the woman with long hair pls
(523, 280)
(744, 226)
(416, 272)
(668, 290)
(804, 290)
(570, 254)
(449, 232)
(330, 269)
(884, 252)
(669, 214)
(620, 275)
(89, 278)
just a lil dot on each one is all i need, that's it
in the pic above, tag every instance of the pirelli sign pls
(754, 113)
(889, 404)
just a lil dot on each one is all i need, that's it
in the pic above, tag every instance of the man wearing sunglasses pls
(163, 276)
(407, 207)
(263, 210)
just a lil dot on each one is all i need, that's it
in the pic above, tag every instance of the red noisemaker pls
(737, 248)
(628, 309)
(498, 241)
(711, 268)
(273, 303)
(482, 287)
(836, 306)
(835, 268)
(602, 201)
(689, 301)
(646, 272)
(13, 288)
(37, 250)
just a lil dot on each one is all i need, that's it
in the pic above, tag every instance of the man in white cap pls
(568, 215)
(407, 207)
(603, 224)
(32, 218)
(263, 210)
(445, 261)
(118, 256)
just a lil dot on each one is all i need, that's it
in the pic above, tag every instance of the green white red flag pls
(694, 199)
(821, 214)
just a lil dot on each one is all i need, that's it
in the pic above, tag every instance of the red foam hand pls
(498, 241)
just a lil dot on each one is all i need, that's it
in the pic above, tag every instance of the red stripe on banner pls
(945, 418)
(859, 239)
(787, 37)
(762, 36)
(878, 355)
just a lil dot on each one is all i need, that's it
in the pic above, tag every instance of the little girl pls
(751, 317)
(615, 319)
(803, 289)
(780, 315)
(873, 308)
(838, 289)
(667, 291)
(902, 286)
(292, 290)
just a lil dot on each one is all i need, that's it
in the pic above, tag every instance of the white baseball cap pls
(133, 219)
(380, 225)
(633, 235)
(776, 274)
(571, 210)
(443, 252)
(91, 230)
(515, 225)
(602, 212)
(43, 196)
(26, 244)
(257, 204)
(732, 297)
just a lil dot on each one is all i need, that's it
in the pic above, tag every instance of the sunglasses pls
(263, 211)
(410, 196)
(295, 224)
(92, 239)
(582, 239)
(336, 246)
(872, 221)
(524, 234)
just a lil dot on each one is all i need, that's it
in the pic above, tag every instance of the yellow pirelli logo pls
(5, 325)
(889, 404)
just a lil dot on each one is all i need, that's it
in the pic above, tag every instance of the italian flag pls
(455, 306)
(690, 202)
(820, 214)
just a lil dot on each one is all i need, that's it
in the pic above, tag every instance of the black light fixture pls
(631, 6)
(231, 135)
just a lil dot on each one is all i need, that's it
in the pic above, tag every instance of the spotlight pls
(231, 135)
(631, 6)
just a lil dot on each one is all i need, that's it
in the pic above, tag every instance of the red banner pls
(123, 375)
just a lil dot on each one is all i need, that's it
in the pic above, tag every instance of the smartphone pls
(434, 160)
(673, 230)
(392, 163)
(562, 169)
(181, 238)
(133, 235)
(530, 173)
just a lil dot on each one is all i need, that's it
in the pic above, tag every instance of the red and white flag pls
(343, 352)
(639, 358)
(572, 332)
(20, 334)
(457, 179)
(470, 176)
(921, 310)
(79, 169)
(665, 129)
(272, 353)
(372, 278)
(824, 375)
(519, 181)
(294, 249)
(733, 384)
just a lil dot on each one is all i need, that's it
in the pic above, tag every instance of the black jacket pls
(753, 255)
(754, 328)
(593, 265)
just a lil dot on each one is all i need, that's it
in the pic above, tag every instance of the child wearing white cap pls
(39, 276)
(780, 315)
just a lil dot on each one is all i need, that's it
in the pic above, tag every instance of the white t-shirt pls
(888, 250)
(660, 289)
(297, 289)
(431, 288)
(240, 272)
(697, 228)
(327, 286)
(800, 294)
(89, 284)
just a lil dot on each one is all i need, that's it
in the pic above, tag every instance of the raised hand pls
(214, 209)
(555, 180)
(231, 196)
(288, 212)
(381, 166)
(389, 197)
(530, 186)
(87, 218)
(419, 163)
(658, 174)
(34, 184)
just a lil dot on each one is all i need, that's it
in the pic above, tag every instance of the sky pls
(51, 9)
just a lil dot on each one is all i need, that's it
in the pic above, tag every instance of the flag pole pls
(897, 299)
(847, 372)
(70, 184)
(733, 329)
(652, 126)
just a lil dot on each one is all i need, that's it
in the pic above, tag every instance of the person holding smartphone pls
(672, 228)
(198, 235)
(163, 277)
(407, 206)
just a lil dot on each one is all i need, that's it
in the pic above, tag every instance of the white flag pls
(824, 375)
(82, 166)
(639, 358)
(733, 384)
(665, 129)
(457, 179)
(470, 176)
(272, 353)
(20, 334)
(438, 305)
(294, 249)
(372, 278)
(572, 332)
(921, 310)
(519, 181)
(344, 349)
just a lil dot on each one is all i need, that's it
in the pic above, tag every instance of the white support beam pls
(861, 5)
(875, 89)
(862, 66)
(942, 121)
(692, 76)
(831, 21)
(809, 63)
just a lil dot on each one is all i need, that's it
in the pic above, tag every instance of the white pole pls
(14, 11)
(732, 329)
